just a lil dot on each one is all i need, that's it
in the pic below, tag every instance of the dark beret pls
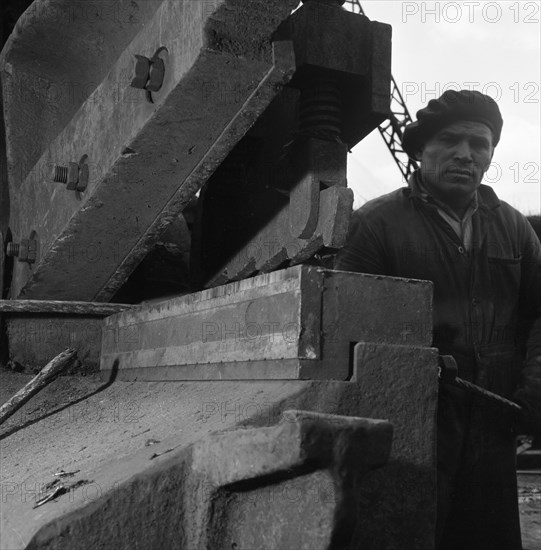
(451, 107)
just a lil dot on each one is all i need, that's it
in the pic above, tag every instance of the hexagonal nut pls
(142, 70)
(73, 176)
(157, 73)
(23, 250)
(82, 184)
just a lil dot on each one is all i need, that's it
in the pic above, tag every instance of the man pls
(485, 262)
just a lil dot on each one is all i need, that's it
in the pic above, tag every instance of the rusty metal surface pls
(57, 55)
(146, 160)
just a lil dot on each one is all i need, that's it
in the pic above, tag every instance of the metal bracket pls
(318, 165)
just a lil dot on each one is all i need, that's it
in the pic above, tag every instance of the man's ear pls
(419, 152)
(490, 161)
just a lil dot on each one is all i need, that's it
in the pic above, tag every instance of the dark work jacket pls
(487, 302)
(487, 314)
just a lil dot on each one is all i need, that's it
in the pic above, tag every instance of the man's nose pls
(462, 151)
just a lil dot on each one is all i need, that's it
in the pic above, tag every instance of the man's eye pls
(480, 144)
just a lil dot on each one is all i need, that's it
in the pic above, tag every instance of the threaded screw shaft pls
(320, 110)
(60, 174)
(13, 249)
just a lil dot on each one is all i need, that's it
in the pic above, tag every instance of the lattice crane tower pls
(391, 130)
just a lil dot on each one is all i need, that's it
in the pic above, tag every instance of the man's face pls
(455, 159)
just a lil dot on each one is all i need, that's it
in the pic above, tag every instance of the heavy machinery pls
(201, 147)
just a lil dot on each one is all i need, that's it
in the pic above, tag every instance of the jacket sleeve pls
(528, 394)
(363, 251)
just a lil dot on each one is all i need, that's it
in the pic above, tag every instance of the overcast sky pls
(493, 47)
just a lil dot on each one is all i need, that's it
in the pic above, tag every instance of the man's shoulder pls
(498, 206)
(508, 220)
(395, 201)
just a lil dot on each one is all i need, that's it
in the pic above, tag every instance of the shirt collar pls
(418, 188)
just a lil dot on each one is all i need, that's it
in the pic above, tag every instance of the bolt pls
(74, 176)
(25, 251)
(69, 175)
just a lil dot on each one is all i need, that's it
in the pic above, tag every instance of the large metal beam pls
(146, 160)
(297, 323)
